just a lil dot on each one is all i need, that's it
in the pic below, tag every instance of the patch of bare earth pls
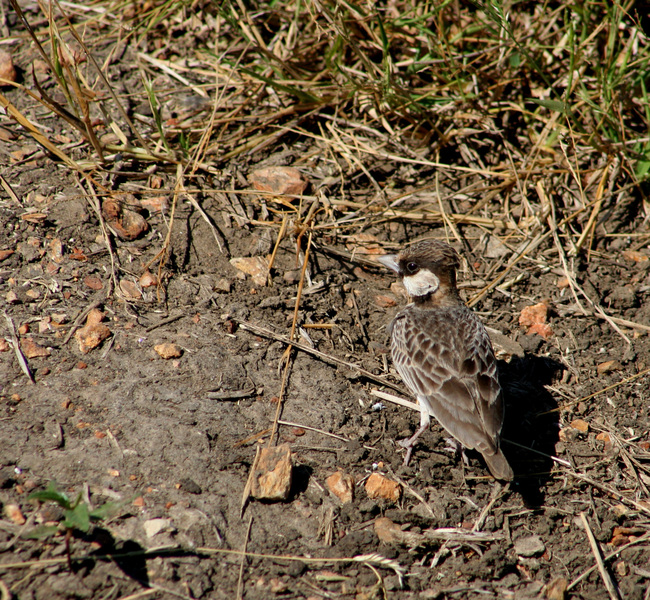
(166, 318)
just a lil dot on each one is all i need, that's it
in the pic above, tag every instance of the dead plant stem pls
(240, 579)
(22, 361)
(612, 590)
(287, 356)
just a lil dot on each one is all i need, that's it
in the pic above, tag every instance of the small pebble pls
(531, 545)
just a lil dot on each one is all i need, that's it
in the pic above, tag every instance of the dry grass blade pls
(36, 133)
(609, 490)
(491, 126)
(281, 233)
(263, 331)
(95, 204)
(382, 561)
(612, 589)
(64, 60)
(395, 399)
(22, 361)
(79, 319)
(640, 540)
(286, 357)
(108, 86)
(240, 579)
(164, 66)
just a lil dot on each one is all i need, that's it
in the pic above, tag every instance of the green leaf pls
(515, 59)
(642, 168)
(78, 518)
(106, 511)
(382, 33)
(302, 96)
(555, 105)
(51, 494)
(40, 532)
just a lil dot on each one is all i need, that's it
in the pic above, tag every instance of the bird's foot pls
(409, 450)
(456, 448)
(409, 444)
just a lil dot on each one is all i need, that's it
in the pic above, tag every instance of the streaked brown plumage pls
(444, 355)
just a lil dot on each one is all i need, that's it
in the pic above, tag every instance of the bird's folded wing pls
(459, 383)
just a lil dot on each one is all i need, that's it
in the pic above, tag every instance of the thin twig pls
(617, 320)
(287, 355)
(612, 590)
(640, 540)
(166, 321)
(10, 192)
(638, 505)
(263, 331)
(81, 316)
(249, 482)
(602, 391)
(326, 433)
(231, 394)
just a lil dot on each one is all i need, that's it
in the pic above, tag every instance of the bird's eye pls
(411, 267)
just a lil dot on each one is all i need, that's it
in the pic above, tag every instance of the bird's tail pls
(499, 466)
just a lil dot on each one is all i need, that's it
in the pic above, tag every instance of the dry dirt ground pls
(121, 423)
(171, 441)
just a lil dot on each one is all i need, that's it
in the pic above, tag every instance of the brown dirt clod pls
(341, 484)
(380, 487)
(168, 350)
(93, 333)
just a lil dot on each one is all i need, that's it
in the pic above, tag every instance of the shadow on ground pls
(531, 425)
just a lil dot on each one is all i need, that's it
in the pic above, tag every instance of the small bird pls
(443, 353)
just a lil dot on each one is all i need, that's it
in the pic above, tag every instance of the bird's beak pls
(390, 261)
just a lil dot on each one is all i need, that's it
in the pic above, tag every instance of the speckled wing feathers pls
(446, 356)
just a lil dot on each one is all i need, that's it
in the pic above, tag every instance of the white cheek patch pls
(422, 283)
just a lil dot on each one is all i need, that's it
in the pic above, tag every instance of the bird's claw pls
(408, 444)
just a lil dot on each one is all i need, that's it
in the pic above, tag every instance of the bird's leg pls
(456, 448)
(409, 443)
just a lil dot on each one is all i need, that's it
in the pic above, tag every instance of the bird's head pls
(427, 270)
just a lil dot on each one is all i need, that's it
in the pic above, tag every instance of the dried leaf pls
(283, 181)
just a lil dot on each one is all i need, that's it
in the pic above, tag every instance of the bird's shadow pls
(531, 426)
